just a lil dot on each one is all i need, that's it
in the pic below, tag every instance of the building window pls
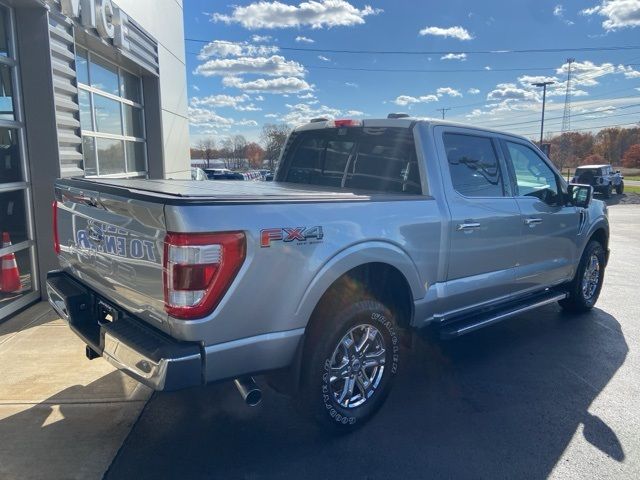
(111, 118)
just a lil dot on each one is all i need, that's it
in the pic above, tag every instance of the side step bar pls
(466, 324)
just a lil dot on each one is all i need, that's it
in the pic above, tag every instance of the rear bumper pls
(144, 353)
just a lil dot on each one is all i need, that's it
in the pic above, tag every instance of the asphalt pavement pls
(541, 395)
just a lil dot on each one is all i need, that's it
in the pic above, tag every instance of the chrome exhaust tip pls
(249, 390)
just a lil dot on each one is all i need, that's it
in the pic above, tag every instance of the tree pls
(273, 138)
(233, 152)
(207, 148)
(631, 158)
(255, 155)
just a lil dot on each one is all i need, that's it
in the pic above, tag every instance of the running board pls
(457, 327)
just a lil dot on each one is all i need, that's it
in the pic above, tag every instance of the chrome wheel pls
(591, 278)
(357, 366)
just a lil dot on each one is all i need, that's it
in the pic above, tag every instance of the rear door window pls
(473, 165)
(373, 159)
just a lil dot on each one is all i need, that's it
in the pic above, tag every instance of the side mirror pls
(580, 195)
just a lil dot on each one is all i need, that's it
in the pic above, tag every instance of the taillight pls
(56, 239)
(343, 123)
(198, 269)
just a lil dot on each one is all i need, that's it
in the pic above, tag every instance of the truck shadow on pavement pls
(72, 434)
(500, 403)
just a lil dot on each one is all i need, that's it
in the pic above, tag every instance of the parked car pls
(370, 228)
(602, 178)
(217, 173)
(198, 174)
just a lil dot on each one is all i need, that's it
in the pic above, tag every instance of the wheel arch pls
(376, 265)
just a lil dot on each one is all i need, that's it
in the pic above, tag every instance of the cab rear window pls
(373, 159)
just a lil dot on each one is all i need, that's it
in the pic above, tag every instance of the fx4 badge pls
(300, 235)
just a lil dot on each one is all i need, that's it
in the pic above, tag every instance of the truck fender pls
(350, 258)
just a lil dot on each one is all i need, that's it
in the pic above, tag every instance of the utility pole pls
(544, 99)
(443, 110)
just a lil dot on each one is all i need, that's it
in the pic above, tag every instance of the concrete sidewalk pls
(61, 415)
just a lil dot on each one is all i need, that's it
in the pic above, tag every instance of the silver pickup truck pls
(370, 228)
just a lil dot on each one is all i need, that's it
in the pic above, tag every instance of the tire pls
(583, 297)
(607, 191)
(333, 390)
(620, 188)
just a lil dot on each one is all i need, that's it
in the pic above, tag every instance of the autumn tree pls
(255, 155)
(631, 158)
(273, 138)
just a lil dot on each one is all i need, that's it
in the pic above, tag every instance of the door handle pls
(468, 226)
(532, 222)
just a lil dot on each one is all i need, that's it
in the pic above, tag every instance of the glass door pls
(18, 278)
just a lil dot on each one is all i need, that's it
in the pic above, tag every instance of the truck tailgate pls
(115, 245)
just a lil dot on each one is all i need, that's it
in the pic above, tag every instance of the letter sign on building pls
(106, 18)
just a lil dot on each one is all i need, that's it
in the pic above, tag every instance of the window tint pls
(534, 177)
(375, 159)
(473, 164)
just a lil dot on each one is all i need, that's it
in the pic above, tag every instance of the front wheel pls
(350, 361)
(584, 289)
(620, 188)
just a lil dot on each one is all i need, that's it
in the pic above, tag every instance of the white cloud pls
(204, 118)
(275, 65)
(314, 13)
(454, 56)
(585, 73)
(303, 112)
(196, 88)
(528, 80)
(628, 71)
(270, 85)
(271, 115)
(487, 67)
(452, 92)
(220, 100)
(261, 38)
(306, 96)
(618, 13)
(404, 100)
(558, 11)
(223, 49)
(510, 91)
(351, 84)
(453, 32)
(323, 58)
(302, 39)
(473, 91)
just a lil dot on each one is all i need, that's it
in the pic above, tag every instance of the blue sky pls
(242, 72)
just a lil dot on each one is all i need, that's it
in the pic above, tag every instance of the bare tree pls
(239, 147)
(226, 152)
(273, 138)
(207, 146)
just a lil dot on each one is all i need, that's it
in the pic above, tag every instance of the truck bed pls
(226, 191)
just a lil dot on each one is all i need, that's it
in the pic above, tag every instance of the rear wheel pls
(585, 288)
(350, 360)
(620, 188)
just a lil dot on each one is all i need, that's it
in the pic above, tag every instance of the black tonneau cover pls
(225, 191)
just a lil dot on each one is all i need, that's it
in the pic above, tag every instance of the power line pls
(441, 52)
(549, 120)
(592, 119)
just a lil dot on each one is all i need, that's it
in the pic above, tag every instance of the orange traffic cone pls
(10, 277)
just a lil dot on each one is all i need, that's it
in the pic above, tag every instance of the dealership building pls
(93, 88)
